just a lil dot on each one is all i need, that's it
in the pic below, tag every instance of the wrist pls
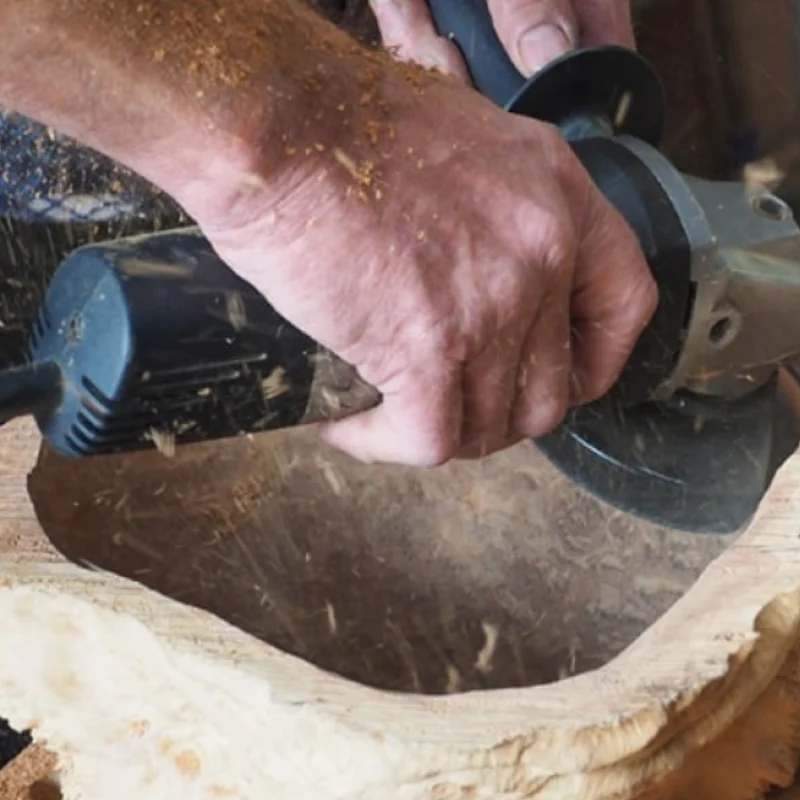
(323, 129)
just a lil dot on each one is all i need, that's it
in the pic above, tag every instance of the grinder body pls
(155, 341)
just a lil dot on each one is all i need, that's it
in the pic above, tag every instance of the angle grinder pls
(693, 432)
(152, 341)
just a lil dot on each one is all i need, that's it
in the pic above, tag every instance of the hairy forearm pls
(180, 89)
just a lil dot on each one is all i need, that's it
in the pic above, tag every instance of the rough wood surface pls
(388, 576)
(144, 697)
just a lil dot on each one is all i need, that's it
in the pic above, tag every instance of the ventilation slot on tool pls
(217, 396)
(40, 328)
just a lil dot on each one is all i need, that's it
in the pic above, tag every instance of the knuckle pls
(434, 449)
(437, 334)
(641, 302)
(558, 240)
(650, 300)
(556, 149)
(543, 406)
(547, 413)
(551, 411)
(568, 170)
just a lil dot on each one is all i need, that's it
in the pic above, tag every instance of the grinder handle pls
(468, 23)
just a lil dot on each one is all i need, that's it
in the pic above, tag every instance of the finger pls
(534, 32)
(489, 387)
(418, 422)
(605, 22)
(614, 298)
(406, 27)
(543, 383)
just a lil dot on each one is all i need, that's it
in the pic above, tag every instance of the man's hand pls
(533, 32)
(458, 255)
(464, 262)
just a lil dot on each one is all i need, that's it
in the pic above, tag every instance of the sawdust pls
(163, 441)
(483, 662)
(280, 49)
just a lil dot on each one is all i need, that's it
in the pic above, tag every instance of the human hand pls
(459, 257)
(533, 32)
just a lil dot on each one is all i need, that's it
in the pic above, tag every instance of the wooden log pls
(141, 697)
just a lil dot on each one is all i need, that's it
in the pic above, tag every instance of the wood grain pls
(707, 697)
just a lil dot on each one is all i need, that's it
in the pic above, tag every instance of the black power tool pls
(154, 342)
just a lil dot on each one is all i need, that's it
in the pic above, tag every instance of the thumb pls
(418, 422)
(534, 32)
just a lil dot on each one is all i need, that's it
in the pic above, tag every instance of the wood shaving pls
(275, 384)
(483, 663)
(361, 173)
(164, 441)
(763, 174)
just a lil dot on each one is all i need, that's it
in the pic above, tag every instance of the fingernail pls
(539, 46)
